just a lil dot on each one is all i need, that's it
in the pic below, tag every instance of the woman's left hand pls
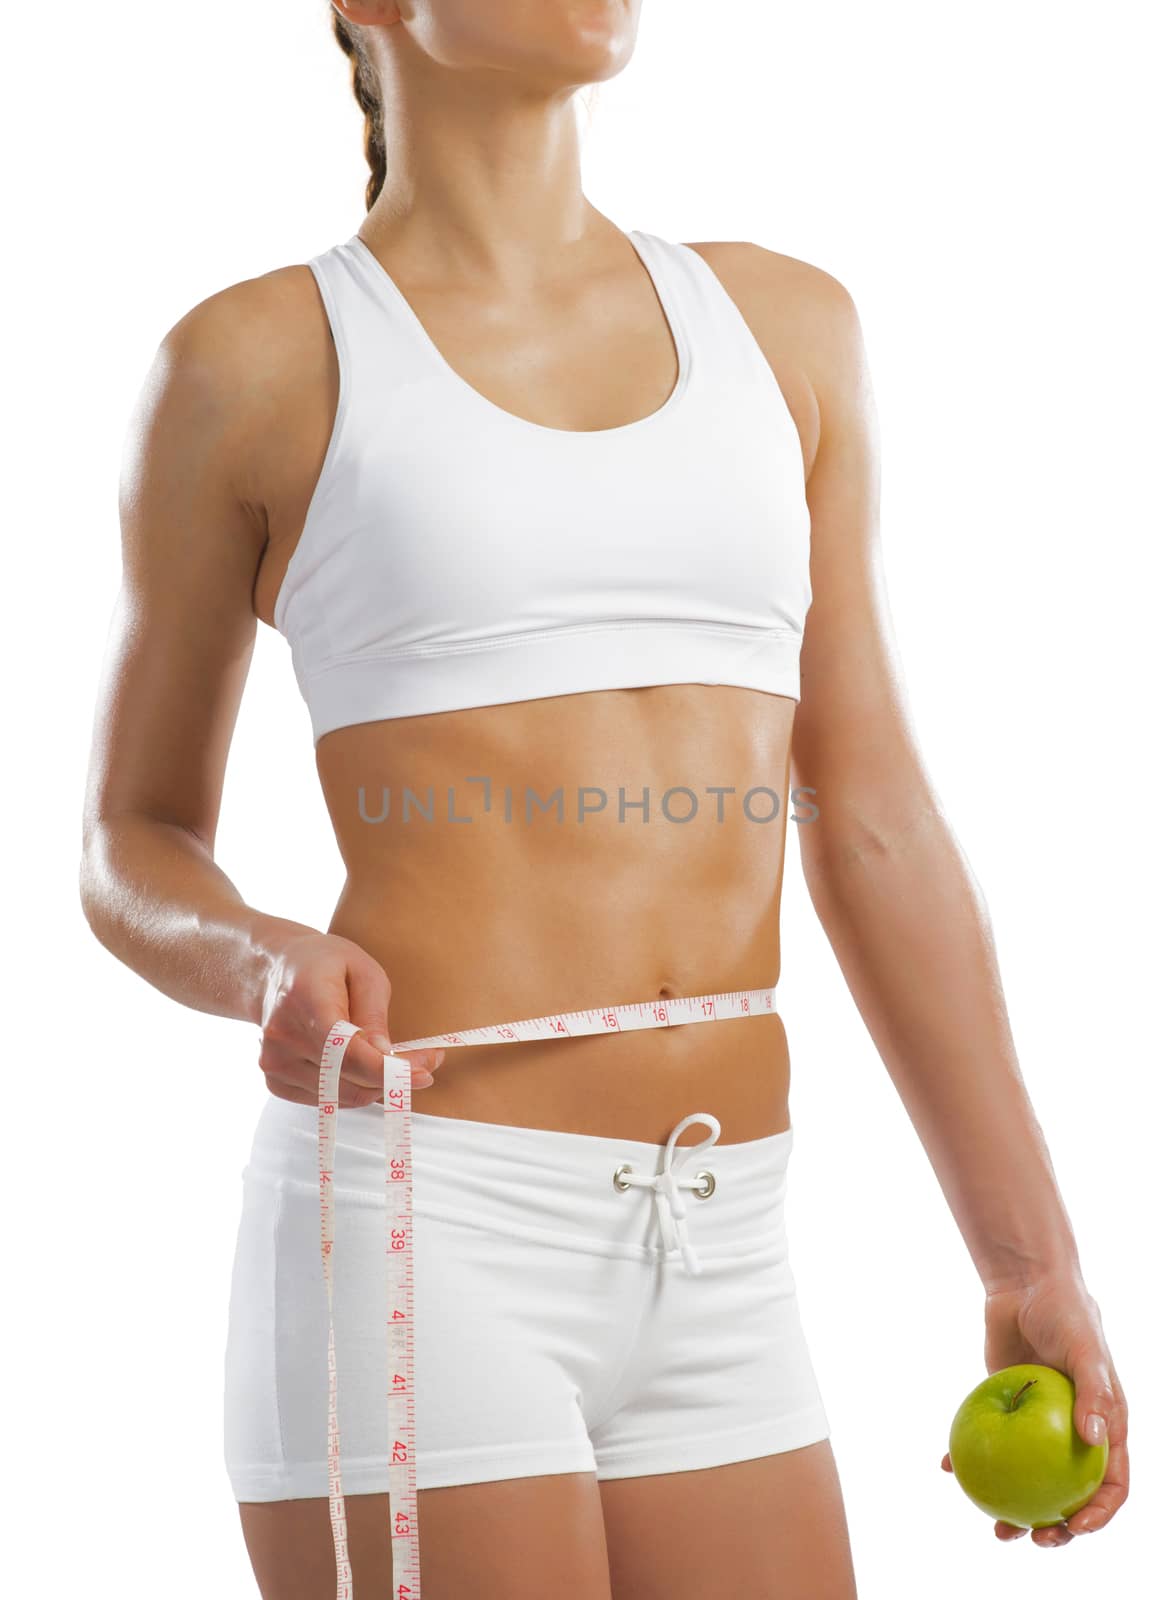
(1055, 1321)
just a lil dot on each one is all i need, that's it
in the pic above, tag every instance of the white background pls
(987, 183)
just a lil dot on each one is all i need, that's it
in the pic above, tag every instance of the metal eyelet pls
(705, 1194)
(620, 1181)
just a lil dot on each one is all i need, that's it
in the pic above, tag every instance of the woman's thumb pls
(369, 1003)
(1094, 1398)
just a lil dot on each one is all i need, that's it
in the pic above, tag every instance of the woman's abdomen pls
(568, 854)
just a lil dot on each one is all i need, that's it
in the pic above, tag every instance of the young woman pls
(545, 508)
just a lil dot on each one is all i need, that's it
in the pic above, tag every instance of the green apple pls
(1016, 1451)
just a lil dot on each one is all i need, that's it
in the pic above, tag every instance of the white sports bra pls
(455, 554)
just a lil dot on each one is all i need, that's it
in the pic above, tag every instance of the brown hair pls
(368, 94)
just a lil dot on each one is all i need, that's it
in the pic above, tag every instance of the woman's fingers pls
(1050, 1538)
(1099, 1395)
(423, 1065)
(369, 1009)
(286, 1089)
(363, 1063)
(1088, 1367)
(323, 980)
(361, 1066)
(365, 1090)
(1114, 1490)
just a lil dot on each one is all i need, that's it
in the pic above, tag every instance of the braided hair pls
(368, 94)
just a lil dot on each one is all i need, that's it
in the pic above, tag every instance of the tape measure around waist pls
(396, 1104)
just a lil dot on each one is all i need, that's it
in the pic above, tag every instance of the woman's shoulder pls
(243, 339)
(803, 318)
(239, 375)
(782, 288)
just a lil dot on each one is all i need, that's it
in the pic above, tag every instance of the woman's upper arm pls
(192, 534)
(852, 737)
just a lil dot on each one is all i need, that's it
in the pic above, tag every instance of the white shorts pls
(560, 1324)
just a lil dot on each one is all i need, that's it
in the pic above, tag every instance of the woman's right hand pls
(315, 980)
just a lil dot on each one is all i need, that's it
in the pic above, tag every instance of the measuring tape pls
(396, 1104)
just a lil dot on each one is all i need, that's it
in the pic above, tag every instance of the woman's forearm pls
(910, 930)
(155, 898)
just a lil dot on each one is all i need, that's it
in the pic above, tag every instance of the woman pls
(540, 507)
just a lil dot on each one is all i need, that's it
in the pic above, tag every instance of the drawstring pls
(666, 1184)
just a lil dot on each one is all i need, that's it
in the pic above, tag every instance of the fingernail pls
(380, 1042)
(425, 1080)
(1095, 1430)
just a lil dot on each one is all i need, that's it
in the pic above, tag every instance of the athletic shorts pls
(582, 1304)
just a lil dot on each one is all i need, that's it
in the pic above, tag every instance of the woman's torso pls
(656, 874)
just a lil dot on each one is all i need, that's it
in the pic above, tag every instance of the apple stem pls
(1019, 1392)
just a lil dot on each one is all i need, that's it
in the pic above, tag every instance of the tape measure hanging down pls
(396, 1104)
